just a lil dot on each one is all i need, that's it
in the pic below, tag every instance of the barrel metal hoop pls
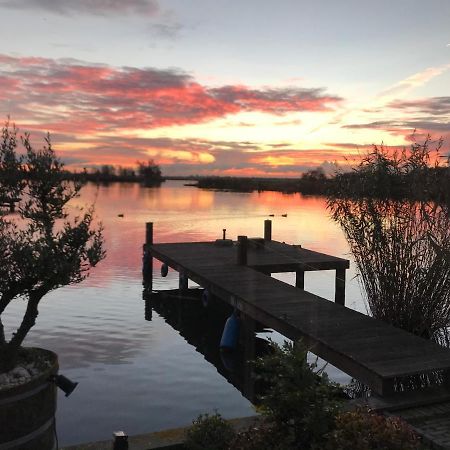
(19, 397)
(24, 439)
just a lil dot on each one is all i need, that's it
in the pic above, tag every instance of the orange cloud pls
(275, 160)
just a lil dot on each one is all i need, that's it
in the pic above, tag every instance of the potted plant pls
(41, 248)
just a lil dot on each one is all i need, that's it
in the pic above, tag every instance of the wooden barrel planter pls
(27, 411)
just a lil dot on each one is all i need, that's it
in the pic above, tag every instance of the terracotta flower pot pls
(27, 411)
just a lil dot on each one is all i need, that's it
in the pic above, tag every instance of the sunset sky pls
(249, 87)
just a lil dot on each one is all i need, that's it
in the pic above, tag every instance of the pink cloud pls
(85, 104)
(90, 98)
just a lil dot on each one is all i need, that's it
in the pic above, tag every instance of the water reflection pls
(143, 376)
(400, 252)
(202, 326)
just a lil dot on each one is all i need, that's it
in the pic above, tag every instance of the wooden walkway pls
(369, 350)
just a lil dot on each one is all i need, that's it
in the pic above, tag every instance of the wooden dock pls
(369, 350)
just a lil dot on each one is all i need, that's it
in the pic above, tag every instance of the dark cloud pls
(94, 7)
(403, 124)
(419, 118)
(276, 101)
(435, 106)
(381, 124)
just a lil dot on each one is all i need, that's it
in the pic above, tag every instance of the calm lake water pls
(140, 375)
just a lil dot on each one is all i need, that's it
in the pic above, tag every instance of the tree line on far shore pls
(146, 172)
(418, 172)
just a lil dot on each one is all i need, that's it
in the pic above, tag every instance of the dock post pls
(147, 267)
(339, 295)
(242, 250)
(149, 233)
(183, 281)
(268, 230)
(148, 310)
(300, 278)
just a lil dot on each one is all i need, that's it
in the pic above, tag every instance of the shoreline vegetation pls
(310, 183)
(435, 183)
(147, 173)
(415, 173)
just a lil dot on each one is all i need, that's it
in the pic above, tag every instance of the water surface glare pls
(142, 376)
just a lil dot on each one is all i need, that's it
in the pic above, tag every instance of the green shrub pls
(209, 432)
(363, 430)
(299, 399)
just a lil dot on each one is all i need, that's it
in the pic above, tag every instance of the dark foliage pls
(209, 432)
(364, 430)
(299, 399)
(42, 249)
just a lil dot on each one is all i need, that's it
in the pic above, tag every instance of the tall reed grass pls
(400, 249)
(400, 239)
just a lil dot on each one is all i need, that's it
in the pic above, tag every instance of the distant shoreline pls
(232, 184)
(285, 185)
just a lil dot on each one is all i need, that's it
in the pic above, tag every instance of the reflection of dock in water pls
(202, 328)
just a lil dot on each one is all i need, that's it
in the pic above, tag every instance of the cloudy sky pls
(249, 87)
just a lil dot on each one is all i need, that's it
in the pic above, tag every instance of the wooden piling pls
(148, 307)
(183, 281)
(339, 295)
(268, 230)
(242, 250)
(149, 233)
(147, 258)
(300, 279)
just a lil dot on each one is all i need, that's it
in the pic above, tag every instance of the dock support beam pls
(339, 295)
(300, 279)
(147, 267)
(268, 230)
(242, 250)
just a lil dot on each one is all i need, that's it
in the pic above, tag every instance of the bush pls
(300, 400)
(209, 432)
(301, 410)
(363, 430)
